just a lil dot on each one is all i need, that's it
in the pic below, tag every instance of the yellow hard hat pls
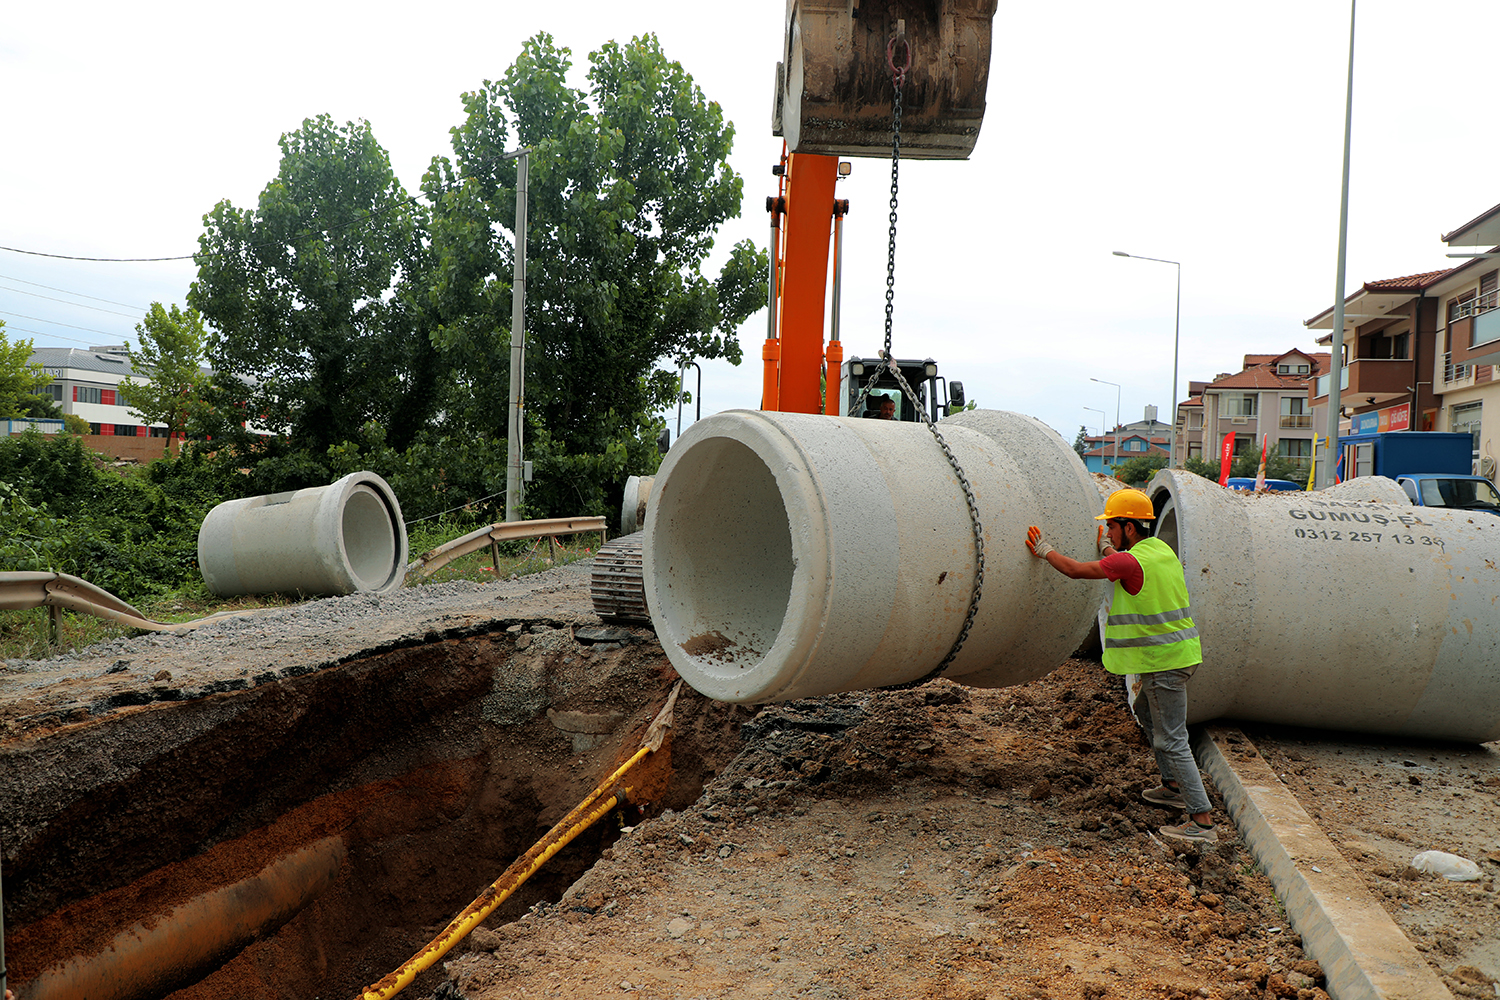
(1128, 503)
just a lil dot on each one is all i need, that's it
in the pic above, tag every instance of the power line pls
(80, 305)
(101, 260)
(67, 291)
(70, 326)
(370, 215)
(38, 333)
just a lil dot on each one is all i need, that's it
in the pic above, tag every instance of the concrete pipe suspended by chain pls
(344, 538)
(1331, 611)
(790, 555)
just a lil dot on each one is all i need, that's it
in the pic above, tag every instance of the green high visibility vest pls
(1152, 630)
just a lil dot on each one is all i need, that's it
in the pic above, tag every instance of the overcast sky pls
(1205, 133)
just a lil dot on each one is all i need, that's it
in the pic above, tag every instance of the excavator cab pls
(833, 83)
(931, 389)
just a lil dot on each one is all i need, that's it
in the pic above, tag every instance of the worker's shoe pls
(1192, 832)
(1165, 795)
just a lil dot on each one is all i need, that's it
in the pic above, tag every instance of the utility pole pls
(513, 480)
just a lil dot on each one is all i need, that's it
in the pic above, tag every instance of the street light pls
(1101, 418)
(1176, 339)
(1117, 421)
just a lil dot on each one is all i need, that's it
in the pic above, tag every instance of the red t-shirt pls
(1125, 568)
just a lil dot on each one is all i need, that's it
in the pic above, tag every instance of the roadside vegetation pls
(134, 531)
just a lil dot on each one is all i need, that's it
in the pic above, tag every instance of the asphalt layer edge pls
(1364, 954)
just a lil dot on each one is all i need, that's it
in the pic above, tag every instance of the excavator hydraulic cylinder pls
(789, 555)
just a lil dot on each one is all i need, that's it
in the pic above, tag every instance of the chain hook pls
(898, 40)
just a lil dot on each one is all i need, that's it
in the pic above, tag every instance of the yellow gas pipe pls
(584, 815)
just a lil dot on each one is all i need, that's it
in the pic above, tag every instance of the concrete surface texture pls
(344, 538)
(1338, 614)
(789, 555)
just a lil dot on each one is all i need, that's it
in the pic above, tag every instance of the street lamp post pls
(1102, 418)
(1117, 421)
(1176, 340)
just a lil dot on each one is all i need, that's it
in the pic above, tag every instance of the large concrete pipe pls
(343, 538)
(789, 555)
(633, 507)
(1320, 610)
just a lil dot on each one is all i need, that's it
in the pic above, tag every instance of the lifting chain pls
(899, 44)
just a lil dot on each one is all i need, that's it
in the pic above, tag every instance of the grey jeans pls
(1166, 693)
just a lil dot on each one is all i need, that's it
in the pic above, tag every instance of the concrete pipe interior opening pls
(369, 538)
(727, 561)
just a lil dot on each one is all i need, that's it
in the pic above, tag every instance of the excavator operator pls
(1149, 631)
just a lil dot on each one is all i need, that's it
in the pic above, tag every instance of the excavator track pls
(616, 586)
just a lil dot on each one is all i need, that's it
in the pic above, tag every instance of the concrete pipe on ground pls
(633, 507)
(344, 538)
(1331, 611)
(790, 555)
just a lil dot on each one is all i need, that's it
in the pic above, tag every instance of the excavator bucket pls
(834, 90)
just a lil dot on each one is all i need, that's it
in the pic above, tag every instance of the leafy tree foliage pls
(173, 342)
(1138, 470)
(367, 329)
(133, 535)
(1247, 464)
(310, 330)
(1080, 441)
(628, 184)
(19, 377)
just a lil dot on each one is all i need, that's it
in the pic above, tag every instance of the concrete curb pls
(1363, 953)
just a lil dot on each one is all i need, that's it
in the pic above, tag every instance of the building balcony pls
(1379, 377)
(1296, 421)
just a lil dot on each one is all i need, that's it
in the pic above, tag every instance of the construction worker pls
(1148, 632)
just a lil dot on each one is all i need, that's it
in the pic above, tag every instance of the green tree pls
(1138, 471)
(628, 184)
(20, 377)
(312, 332)
(1246, 464)
(173, 342)
(1080, 442)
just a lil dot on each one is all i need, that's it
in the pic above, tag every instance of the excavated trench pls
(305, 837)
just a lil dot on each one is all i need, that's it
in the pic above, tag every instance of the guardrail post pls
(552, 549)
(495, 554)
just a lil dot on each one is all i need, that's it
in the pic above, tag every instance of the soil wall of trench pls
(373, 799)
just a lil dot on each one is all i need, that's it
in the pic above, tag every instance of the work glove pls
(1035, 543)
(1103, 541)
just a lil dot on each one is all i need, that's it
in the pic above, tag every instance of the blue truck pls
(1435, 468)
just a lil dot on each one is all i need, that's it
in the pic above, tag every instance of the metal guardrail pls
(492, 535)
(59, 591)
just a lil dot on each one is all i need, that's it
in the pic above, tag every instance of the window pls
(1135, 445)
(125, 430)
(1241, 404)
(1400, 344)
(1465, 418)
(1488, 284)
(1294, 412)
(52, 391)
(1298, 450)
(1461, 306)
(1303, 370)
(86, 394)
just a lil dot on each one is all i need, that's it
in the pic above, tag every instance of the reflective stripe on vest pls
(1152, 630)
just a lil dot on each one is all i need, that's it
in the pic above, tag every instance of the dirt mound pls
(942, 842)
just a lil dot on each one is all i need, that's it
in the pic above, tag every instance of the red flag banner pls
(1260, 475)
(1226, 456)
